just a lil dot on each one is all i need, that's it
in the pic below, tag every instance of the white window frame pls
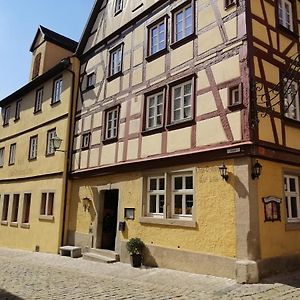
(116, 57)
(2, 153)
(90, 80)
(285, 14)
(183, 27)
(12, 154)
(111, 123)
(50, 134)
(155, 107)
(38, 100)
(33, 147)
(85, 143)
(182, 106)
(183, 192)
(291, 100)
(118, 6)
(288, 195)
(57, 90)
(157, 39)
(6, 115)
(46, 212)
(157, 193)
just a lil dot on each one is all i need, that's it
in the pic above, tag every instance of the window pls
(26, 208)
(38, 100)
(50, 135)
(285, 14)
(118, 6)
(229, 3)
(115, 66)
(156, 195)
(90, 81)
(18, 110)
(235, 95)
(6, 115)
(154, 110)
(157, 37)
(2, 156)
(291, 100)
(15, 208)
(170, 195)
(183, 23)
(111, 123)
(182, 195)
(12, 154)
(85, 142)
(5, 206)
(33, 144)
(47, 204)
(291, 190)
(181, 106)
(36, 65)
(57, 90)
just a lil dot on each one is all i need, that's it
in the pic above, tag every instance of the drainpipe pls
(69, 156)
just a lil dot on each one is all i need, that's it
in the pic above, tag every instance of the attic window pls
(36, 65)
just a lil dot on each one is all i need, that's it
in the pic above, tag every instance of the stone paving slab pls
(28, 275)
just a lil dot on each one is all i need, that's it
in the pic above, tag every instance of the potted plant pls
(135, 248)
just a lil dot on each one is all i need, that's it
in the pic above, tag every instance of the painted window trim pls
(186, 121)
(152, 56)
(84, 145)
(53, 100)
(47, 153)
(177, 43)
(231, 105)
(111, 76)
(34, 157)
(287, 194)
(47, 216)
(167, 217)
(12, 154)
(157, 193)
(105, 139)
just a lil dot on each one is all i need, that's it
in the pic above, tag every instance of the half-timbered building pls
(174, 142)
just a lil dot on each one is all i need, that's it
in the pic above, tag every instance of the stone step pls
(98, 258)
(104, 252)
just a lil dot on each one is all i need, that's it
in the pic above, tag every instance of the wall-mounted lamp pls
(256, 170)
(86, 202)
(56, 143)
(223, 172)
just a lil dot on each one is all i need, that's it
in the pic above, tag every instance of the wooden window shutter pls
(36, 66)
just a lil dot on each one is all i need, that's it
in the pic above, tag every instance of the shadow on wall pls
(148, 259)
(238, 186)
(7, 295)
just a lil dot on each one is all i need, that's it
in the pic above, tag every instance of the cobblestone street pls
(27, 275)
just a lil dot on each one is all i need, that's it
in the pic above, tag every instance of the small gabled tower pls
(48, 48)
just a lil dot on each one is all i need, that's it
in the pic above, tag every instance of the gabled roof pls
(54, 38)
(61, 66)
(89, 25)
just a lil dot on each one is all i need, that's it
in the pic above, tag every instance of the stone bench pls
(72, 251)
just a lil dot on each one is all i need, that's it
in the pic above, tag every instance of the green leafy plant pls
(135, 246)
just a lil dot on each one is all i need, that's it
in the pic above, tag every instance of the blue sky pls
(19, 20)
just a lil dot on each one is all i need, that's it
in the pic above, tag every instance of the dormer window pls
(36, 65)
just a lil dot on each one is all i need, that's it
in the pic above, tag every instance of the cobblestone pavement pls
(27, 275)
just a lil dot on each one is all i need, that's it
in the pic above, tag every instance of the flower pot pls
(136, 260)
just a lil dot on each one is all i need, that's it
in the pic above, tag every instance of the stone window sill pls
(5, 223)
(168, 222)
(46, 218)
(292, 226)
(13, 224)
(25, 225)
